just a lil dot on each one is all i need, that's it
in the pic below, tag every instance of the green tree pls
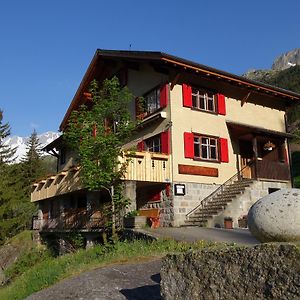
(6, 152)
(32, 164)
(97, 134)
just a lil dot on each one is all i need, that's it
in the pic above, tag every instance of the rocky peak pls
(287, 60)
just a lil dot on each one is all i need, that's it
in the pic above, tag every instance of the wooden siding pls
(142, 166)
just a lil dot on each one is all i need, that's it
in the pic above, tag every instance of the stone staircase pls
(217, 201)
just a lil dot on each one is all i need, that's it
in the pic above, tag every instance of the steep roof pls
(174, 61)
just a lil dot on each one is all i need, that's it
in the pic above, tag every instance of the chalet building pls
(210, 144)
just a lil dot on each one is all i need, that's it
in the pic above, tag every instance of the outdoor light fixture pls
(269, 146)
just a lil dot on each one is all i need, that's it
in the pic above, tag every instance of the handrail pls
(221, 188)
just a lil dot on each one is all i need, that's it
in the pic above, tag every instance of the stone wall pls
(241, 204)
(268, 271)
(194, 194)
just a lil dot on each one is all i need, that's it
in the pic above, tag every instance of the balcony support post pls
(130, 193)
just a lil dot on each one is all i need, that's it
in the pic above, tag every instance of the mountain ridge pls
(19, 142)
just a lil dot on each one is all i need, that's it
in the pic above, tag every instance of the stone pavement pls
(191, 234)
(139, 281)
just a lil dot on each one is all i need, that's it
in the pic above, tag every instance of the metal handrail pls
(221, 188)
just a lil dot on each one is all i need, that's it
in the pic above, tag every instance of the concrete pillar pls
(62, 246)
(130, 193)
(89, 242)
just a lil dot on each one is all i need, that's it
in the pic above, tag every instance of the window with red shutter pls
(188, 144)
(165, 142)
(164, 95)
(187, 95)
(224, 155)
(221, 104)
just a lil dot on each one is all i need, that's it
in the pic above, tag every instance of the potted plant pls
(228, 223)
(133, 220)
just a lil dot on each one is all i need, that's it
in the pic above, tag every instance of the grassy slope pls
(51, 270)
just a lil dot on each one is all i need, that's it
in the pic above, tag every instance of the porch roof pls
(244, 128)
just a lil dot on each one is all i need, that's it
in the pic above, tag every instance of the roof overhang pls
(244, 128)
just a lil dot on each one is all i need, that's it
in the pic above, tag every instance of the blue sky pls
(46, 45)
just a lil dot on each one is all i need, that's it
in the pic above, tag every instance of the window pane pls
(194, 100)
(210, 105)
(212, 142)
(204, 150)
(204, 141)
(213, 153)
(202, 102)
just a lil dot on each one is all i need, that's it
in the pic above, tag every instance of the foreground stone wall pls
(268, 271)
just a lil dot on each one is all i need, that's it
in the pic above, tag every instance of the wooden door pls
(246, 170)
(246, 154)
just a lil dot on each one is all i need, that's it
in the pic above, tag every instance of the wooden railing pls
(142, 166)
(265, 169)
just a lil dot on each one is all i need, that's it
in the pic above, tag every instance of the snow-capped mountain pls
(20, 142)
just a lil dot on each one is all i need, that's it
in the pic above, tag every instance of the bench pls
(152, 214)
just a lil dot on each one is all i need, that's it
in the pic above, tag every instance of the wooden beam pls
(175, 80)
(244, 100)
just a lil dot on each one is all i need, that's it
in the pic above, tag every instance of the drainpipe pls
(254, 145)
(289, 151)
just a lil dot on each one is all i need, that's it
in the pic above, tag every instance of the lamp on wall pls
(269, 146)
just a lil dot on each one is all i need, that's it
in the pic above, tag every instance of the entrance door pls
(246, 154)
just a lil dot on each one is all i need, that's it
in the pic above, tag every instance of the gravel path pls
(127, 281)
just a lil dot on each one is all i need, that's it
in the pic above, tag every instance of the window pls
(152, 101)
(203, 100)
(206, 148)
(153, 144)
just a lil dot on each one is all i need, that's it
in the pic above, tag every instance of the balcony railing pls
(142, 166)
(265, 169)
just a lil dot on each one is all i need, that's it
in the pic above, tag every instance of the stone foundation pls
(194, 194)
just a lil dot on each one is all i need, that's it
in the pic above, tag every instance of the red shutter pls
(165, 142)
(141, 146)
(188, 145)
(187, 95)
(221, 104)
(164, 95)
(224, 157)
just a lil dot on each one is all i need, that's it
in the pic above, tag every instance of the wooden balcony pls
(142, 166)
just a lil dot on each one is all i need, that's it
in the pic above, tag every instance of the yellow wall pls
(185, 119)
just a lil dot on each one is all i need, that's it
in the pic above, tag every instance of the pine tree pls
(6, 152)
(32, 163)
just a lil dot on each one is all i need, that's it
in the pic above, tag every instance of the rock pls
(265, 271)
(287, 60)
(276, 217)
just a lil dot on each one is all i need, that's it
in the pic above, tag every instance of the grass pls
(49, 270)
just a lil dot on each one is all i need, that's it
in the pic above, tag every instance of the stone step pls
(203, 213)
(195, 223)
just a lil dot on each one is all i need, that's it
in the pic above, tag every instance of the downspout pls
(289, 151)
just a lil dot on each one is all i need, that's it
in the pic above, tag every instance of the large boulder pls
(276, 217)
(265, 271)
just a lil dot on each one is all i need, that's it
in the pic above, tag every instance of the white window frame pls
(206, 143)
(206, 97)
